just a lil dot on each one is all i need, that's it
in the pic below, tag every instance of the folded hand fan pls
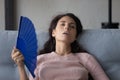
(27, 43)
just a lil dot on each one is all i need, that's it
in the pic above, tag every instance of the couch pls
(104, 44)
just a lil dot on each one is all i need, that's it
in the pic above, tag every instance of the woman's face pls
(65, 30)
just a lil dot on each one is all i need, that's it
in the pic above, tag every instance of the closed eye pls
(72, 26)
(62, 24)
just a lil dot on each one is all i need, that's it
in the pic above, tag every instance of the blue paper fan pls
(27, 43)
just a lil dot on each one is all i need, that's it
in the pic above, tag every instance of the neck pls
(62, 48)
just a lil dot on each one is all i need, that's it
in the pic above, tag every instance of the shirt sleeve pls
(94, 68)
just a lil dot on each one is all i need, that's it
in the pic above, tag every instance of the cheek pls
(56, 33)
(59, 28)
(74, 35)
(73, 38)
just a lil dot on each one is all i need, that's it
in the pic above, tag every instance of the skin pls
(18, 59)
(64, 33)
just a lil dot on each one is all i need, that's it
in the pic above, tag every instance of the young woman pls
(62, 58)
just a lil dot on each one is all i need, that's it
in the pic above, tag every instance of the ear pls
(53, 33)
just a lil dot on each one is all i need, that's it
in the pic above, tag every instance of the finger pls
(17, 57)
(15, 60)
(16, 54)
(21, 57)
(19, 60)
(14, 50)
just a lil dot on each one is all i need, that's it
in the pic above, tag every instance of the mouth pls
(66, 33)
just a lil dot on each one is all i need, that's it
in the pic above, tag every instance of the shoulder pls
(85, 57)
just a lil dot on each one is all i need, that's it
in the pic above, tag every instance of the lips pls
(66, 33)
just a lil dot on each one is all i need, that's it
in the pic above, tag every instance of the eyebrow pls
(62, 21)
(70, 23)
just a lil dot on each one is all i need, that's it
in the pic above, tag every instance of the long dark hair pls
(49, 46)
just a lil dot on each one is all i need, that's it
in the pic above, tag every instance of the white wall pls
(91, 12)
(116, 11)
(2, 16)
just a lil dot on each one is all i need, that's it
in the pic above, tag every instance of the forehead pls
(67, 19)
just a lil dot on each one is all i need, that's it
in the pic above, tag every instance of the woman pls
(62, 58)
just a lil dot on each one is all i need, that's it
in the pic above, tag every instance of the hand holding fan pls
(27, 43)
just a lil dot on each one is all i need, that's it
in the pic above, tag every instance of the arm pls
(18, 59)
(22, 72)
(95, 69)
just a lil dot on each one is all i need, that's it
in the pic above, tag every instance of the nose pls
(67, 27)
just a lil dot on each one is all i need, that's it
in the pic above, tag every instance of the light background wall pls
(2, 16)
(91, 12)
